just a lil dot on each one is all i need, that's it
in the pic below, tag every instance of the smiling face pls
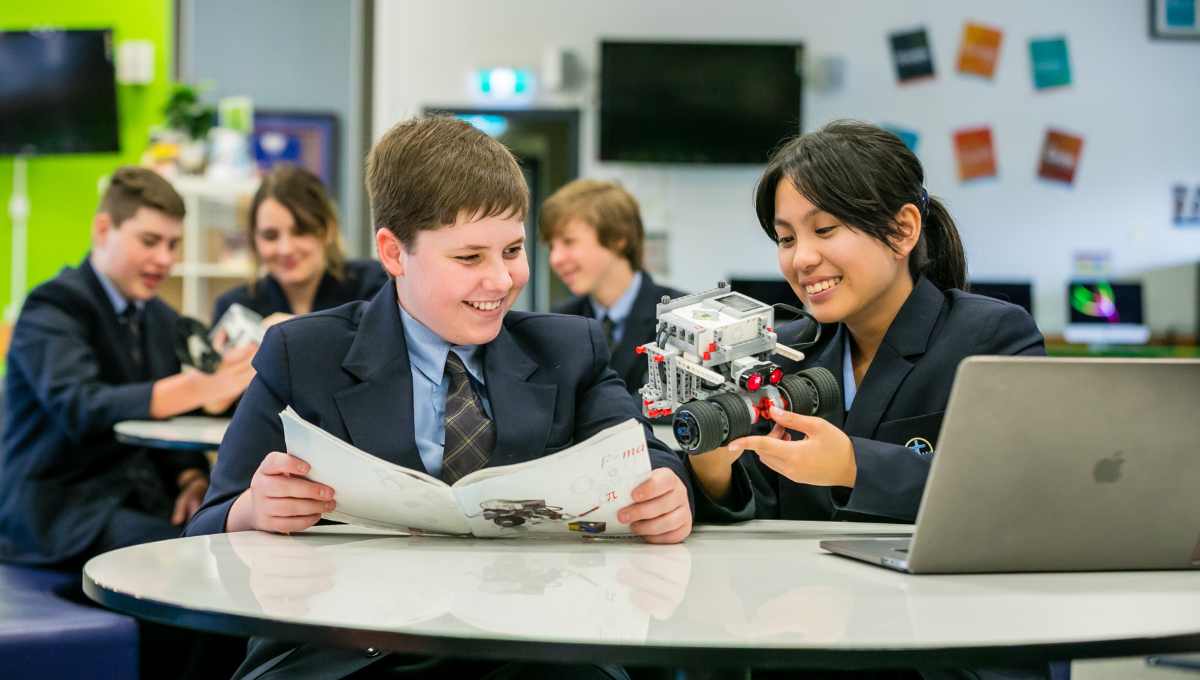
(461, 279)
(579, 259)
(291, 258)
(840, 273)
(136, 255)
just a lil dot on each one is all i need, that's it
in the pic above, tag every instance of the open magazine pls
(577, 490)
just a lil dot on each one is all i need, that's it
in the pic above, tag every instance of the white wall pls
(1136, 102)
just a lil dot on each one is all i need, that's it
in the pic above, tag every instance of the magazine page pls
(575, 491)
(371, 491)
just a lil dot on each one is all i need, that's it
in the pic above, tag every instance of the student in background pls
(295, 238)
(91, 347)
(595, 234)
(434, 355)
(878, 262)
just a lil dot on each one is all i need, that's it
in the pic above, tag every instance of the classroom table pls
(183, 433)
(761, 594)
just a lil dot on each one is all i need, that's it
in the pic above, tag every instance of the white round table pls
(761, 594)
(183, 433)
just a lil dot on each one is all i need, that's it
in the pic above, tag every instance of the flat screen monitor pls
(1107, 313)
(58, 92)
(697, 102)
(1019, 293)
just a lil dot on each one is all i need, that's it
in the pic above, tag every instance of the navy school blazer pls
(639, 329)
(362, 279)
(347, 371)
(69, 379)
(902, 397)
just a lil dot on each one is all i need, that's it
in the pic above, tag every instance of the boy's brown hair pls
(428, 172)
(304, 196)
(606, 206)
(132, 187)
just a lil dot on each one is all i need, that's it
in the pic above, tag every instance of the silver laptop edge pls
(1058, 464)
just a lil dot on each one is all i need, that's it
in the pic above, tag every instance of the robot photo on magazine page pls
(711, 369)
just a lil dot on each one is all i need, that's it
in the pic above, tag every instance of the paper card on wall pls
(980, 50)
(1091, 264)
(912, 54)
(1185, 204)
(1180, 13)
(655, 256)
(974, 152)
(1049, 60)
(1060, 156)
(909, 137)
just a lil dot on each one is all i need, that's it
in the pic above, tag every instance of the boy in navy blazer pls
(92, 347)
(594, 229)
(433, 373)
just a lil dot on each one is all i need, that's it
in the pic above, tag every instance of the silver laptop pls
(1058, 464)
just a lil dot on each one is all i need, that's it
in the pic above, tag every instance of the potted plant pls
(191, 120)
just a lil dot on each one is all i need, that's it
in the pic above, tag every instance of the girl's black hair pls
(862, 175)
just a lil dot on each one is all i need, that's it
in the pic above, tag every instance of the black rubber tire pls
(710, 421)
(736, 414)
(829, 396)
(801, 394)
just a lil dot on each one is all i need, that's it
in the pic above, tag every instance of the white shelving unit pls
(214, 209)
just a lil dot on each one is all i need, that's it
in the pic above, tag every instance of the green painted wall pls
(62, 189)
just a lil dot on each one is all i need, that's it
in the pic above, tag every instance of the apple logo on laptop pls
(1108, 470)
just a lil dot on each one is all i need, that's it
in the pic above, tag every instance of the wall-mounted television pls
(58, 92)
(668, 102)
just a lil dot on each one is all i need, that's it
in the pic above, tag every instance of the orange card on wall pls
(1060, 156)
(980, 50)
(974, 153)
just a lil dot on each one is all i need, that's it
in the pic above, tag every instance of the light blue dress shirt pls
(620, 309)
(427, 358)
(118, 301)
(849, 389)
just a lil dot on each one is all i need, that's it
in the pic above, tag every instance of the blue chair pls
(44, 635)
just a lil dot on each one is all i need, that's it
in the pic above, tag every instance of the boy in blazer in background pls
(594, 229)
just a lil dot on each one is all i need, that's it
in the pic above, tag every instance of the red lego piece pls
(706, 356)
(640, 349)
(658, 358)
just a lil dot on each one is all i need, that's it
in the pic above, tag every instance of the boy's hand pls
(274, 319)
(231, 378)
(189, 499)
(280, 498)
(660, 512)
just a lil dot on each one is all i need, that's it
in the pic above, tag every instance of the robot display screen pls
(739, 302)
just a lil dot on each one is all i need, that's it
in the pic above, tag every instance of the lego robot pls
(711, 369)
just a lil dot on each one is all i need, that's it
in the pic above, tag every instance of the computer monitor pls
(770, 291)
(58, 92)
(1019, 293)
(1105, 313)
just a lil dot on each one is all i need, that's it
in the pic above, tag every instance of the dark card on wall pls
(912, 54)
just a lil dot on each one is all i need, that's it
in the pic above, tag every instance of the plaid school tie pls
(470, 433)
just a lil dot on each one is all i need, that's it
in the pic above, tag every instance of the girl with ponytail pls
(878, 263)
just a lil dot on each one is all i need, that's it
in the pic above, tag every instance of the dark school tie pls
(470, 433)
(608, 324)
(131, 321)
